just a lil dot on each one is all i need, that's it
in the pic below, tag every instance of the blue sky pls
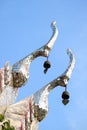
(24, 27)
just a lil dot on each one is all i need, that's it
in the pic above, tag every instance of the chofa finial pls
(20, 70)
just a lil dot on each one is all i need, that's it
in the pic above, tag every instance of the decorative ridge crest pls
(26, 114)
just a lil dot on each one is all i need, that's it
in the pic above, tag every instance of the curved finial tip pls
(53, 24)
(69, 51)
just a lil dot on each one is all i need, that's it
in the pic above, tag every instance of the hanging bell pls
(65, 97)
(46, 65)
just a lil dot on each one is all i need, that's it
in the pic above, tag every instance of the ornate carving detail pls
(26, 114)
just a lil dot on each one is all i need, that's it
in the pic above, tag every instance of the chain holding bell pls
(46, 65)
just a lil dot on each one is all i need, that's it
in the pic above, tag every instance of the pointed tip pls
(53, 24)
(69, 50)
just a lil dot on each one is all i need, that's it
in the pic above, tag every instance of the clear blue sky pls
(24, 27)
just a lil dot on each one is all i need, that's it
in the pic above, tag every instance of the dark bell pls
(65, 95)
(47, 64)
